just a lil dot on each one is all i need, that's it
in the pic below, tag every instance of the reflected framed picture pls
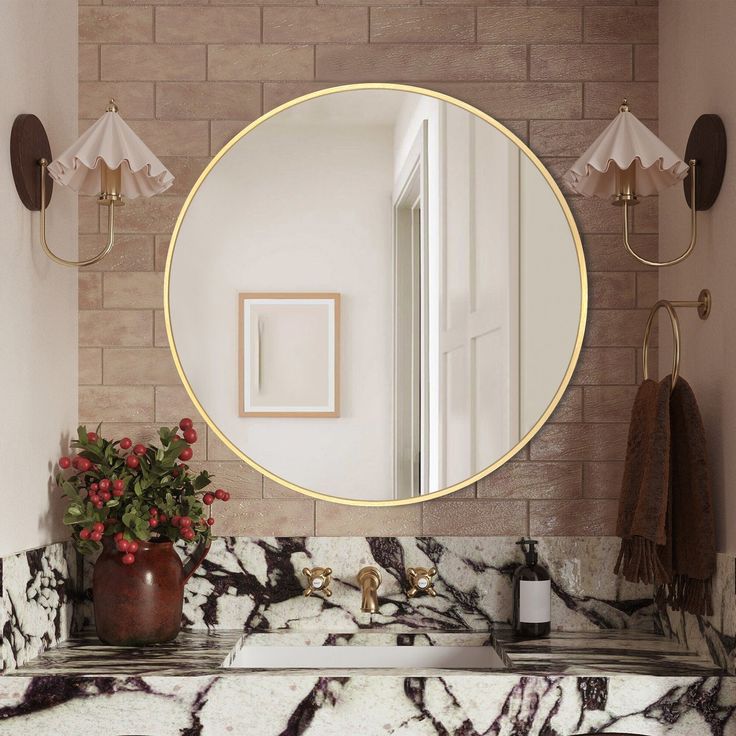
(289, 355)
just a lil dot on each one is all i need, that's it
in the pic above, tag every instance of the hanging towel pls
(665, 509)
(690, 552)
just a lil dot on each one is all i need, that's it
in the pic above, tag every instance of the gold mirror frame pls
(583, 294)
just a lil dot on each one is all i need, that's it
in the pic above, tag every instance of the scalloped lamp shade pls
(624, 142)
(111, 141)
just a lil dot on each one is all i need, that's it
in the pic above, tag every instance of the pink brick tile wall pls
(188, 74)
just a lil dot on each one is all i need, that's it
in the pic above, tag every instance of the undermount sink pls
(365, 651)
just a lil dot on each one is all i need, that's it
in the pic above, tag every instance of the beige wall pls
(189, 75)
(698, 76)
(38, 299)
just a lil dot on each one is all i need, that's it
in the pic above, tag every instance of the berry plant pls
(135, 493)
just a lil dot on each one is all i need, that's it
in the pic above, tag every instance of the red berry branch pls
(136, 492)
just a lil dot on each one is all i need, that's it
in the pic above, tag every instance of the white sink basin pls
(275, 651)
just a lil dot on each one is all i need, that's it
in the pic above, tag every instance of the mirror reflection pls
(376, 294)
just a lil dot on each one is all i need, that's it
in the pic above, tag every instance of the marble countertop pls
(202, 653)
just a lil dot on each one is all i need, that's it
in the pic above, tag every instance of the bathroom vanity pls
(258, 657)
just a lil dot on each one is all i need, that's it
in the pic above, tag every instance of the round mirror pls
(375, 293)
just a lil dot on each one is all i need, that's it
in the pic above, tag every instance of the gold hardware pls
(43, 164)
(111, 106)
(693, 223)
(579, 257)
(318, 581)
(110, 185)
(624, 107)
(703, 305)
(369, 579)
(421, 580)
(625, 185)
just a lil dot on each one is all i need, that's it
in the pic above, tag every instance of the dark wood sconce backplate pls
(707, 145)
(28, 144)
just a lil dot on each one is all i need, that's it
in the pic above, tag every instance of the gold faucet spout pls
(369, 579)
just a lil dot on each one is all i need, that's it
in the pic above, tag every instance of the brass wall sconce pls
(109, 160)
(627, 161)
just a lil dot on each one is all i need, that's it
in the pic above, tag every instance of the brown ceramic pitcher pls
(141, 604)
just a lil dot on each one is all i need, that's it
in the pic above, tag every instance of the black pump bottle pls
(532, 594)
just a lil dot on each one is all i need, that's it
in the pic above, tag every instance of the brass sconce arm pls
(43, 164)
(693, 227)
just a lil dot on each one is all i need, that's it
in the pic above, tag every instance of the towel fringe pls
(690, 595)
(639, 562)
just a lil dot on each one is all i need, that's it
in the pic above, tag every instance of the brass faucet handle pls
(421, 580)
(318, 581)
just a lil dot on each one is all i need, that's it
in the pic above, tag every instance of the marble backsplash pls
(712, 635)
(257, 583)
(36, 607)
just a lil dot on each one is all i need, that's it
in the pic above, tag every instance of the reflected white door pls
(479, 299)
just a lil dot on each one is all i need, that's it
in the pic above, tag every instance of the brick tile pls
(89, 290)
(121, 327)
(162, 250)
(612, 290)
(580, 442)
(646, 216)
(615, 327)
(135, 99)
(646, 62)
(469, 2)
(434, 24)
(565, 137)
(608, 403)
(130, 253)
(115, 25)
(570, 408)
(238, 478)
(162, 2)
(90, 366)
(594, 215)
(173, 403)
(514, 100)
(315, 25)
(620, 25)
(277, 93)
(272, 489)
(89, 62)
(182, 100)
(89, 215)
(529, 25)
(160, 338)
(144, 290)
(218, 450)
(258, 517)
(602, 99)
(533, 480)
(260, 62)
(602, 480)
(578, 3)
(221, 131)
(605, 366)
(153, 62)
(351, 2)
(584, 518)
(339, 520)
(186, 171)
(581, 61)
(116, 404)
(415, 62)
(647, 289)
(208, 25)
(474, 517)
(137, 366)
(145, 215)
(607, 252)
(174, 137)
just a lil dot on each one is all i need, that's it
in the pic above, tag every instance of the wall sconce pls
(108, 160)
(628, 161)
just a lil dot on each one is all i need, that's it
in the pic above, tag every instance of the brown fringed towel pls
(665, 511)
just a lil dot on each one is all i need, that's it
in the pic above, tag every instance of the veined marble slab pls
(713, 635)
(36, 610)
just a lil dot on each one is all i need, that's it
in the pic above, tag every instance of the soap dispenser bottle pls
(532, 594)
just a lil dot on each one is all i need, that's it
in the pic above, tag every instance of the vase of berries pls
(129, 504)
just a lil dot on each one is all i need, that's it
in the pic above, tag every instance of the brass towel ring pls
(703, 306)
